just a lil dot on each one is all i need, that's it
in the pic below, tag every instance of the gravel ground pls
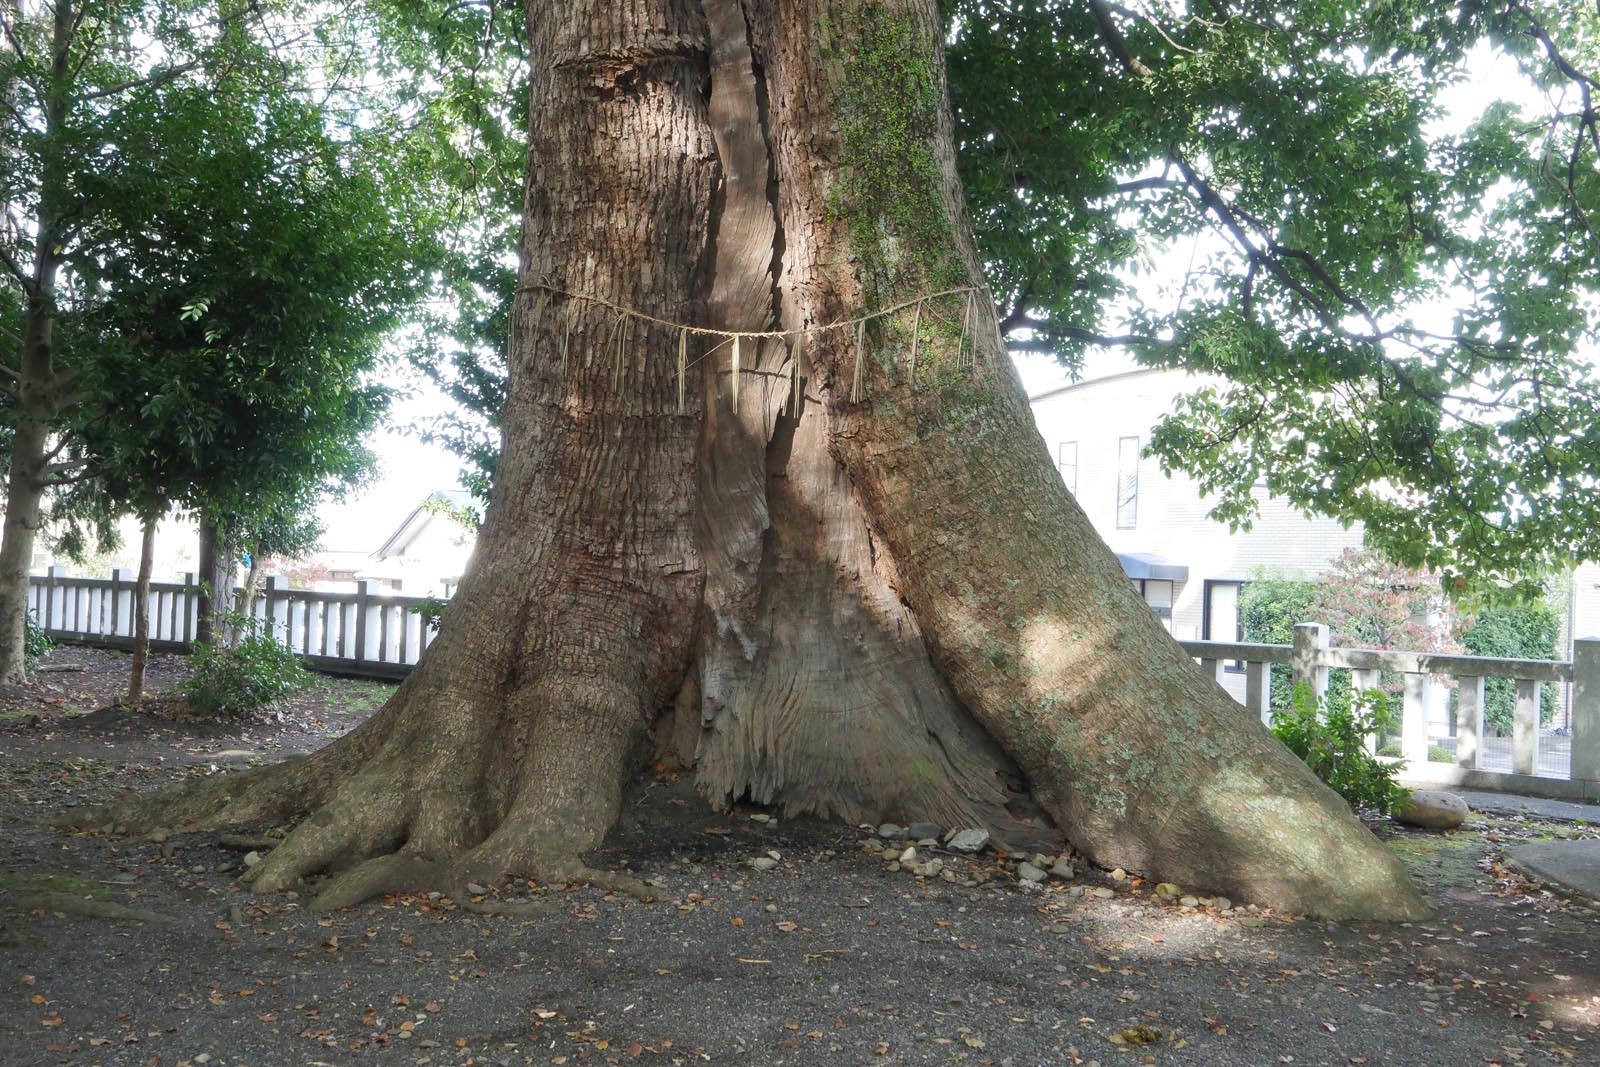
(829, 957)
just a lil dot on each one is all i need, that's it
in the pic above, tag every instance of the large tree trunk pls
(884, 607)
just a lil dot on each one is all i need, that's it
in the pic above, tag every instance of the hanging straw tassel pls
(736, 374)
(566, 338)
(966, 325)
(618, 332)
(683, 363)
(794, 378)
(861, 345)
(538, 315)
(916, 337)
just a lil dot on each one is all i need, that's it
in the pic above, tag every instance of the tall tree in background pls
(200, 270)
(841, 574)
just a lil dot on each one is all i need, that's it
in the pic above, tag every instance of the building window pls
(1157, 593)
(1067, 464)
(1220, 616)
(1127, 483)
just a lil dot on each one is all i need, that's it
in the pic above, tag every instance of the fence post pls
(276, 587)
(1525, 728)
(1305, 662)
(364, 589)
(1586, 710)
(1469, 720)
(1258, 689)
(190, 609)
(1414, 720)
(52, 574)
(120, 577)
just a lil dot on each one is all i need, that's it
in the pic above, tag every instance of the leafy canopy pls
(227, 250)
(1301, 156)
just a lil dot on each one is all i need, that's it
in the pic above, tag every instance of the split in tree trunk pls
(885, 607)
(141, 615)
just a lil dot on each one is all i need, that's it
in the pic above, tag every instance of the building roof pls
(1150, 567)
(418, 520)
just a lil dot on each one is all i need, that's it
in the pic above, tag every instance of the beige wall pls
(1171, 518)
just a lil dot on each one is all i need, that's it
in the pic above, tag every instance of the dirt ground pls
(828, 957)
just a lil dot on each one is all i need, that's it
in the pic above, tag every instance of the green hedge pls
(1528, 632)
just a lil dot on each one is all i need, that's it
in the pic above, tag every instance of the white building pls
(1188, 567)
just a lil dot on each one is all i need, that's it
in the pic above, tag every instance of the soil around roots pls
(828, 956)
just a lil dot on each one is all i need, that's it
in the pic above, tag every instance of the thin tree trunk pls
(38, 386)
(874, 607)
(216, 584)
(141, 615)
(245, 599)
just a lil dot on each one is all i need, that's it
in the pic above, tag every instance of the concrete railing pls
(364, 632)
(1531, 760)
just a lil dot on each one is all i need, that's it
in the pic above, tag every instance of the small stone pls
(760, 816)
(477, 890)
(252, 858)
(204, 1057)
(968, 841)
(950, 876)
(763, 863)
(934, 867)
(909, 855)
(1063, 870)
(1432, 809)
(1168, 889)
(158, 837)
(1222, 904)
(772, 908)
(920, 830)
(1029, 873)
(1103, 892)
(1041, 861)
(1190, 902)
(1251, 920)
(891, 831)
(892, 867)
(1119, 875)
(197, 870)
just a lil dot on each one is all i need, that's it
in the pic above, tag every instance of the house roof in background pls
(1147, 566)
(418, 520)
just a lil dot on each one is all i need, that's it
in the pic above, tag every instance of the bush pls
(36, 644)
(1268, 611)
(256, 672)
(1527, 632)
(1330, 734)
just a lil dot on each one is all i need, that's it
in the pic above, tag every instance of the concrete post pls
(1469, 720)
(1586, 710)
(277, 609)
(1414, 721)
(1525, 728)
(1258, 690)
(1305, 662)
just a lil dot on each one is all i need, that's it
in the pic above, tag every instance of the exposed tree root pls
(88, 908)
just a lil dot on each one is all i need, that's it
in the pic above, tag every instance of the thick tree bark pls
(885, 607)
(141, 615)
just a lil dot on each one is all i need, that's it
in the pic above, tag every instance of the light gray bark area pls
(816, 691)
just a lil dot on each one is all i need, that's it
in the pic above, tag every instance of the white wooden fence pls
(379, 635)
(1532, 760)
(364, 632)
